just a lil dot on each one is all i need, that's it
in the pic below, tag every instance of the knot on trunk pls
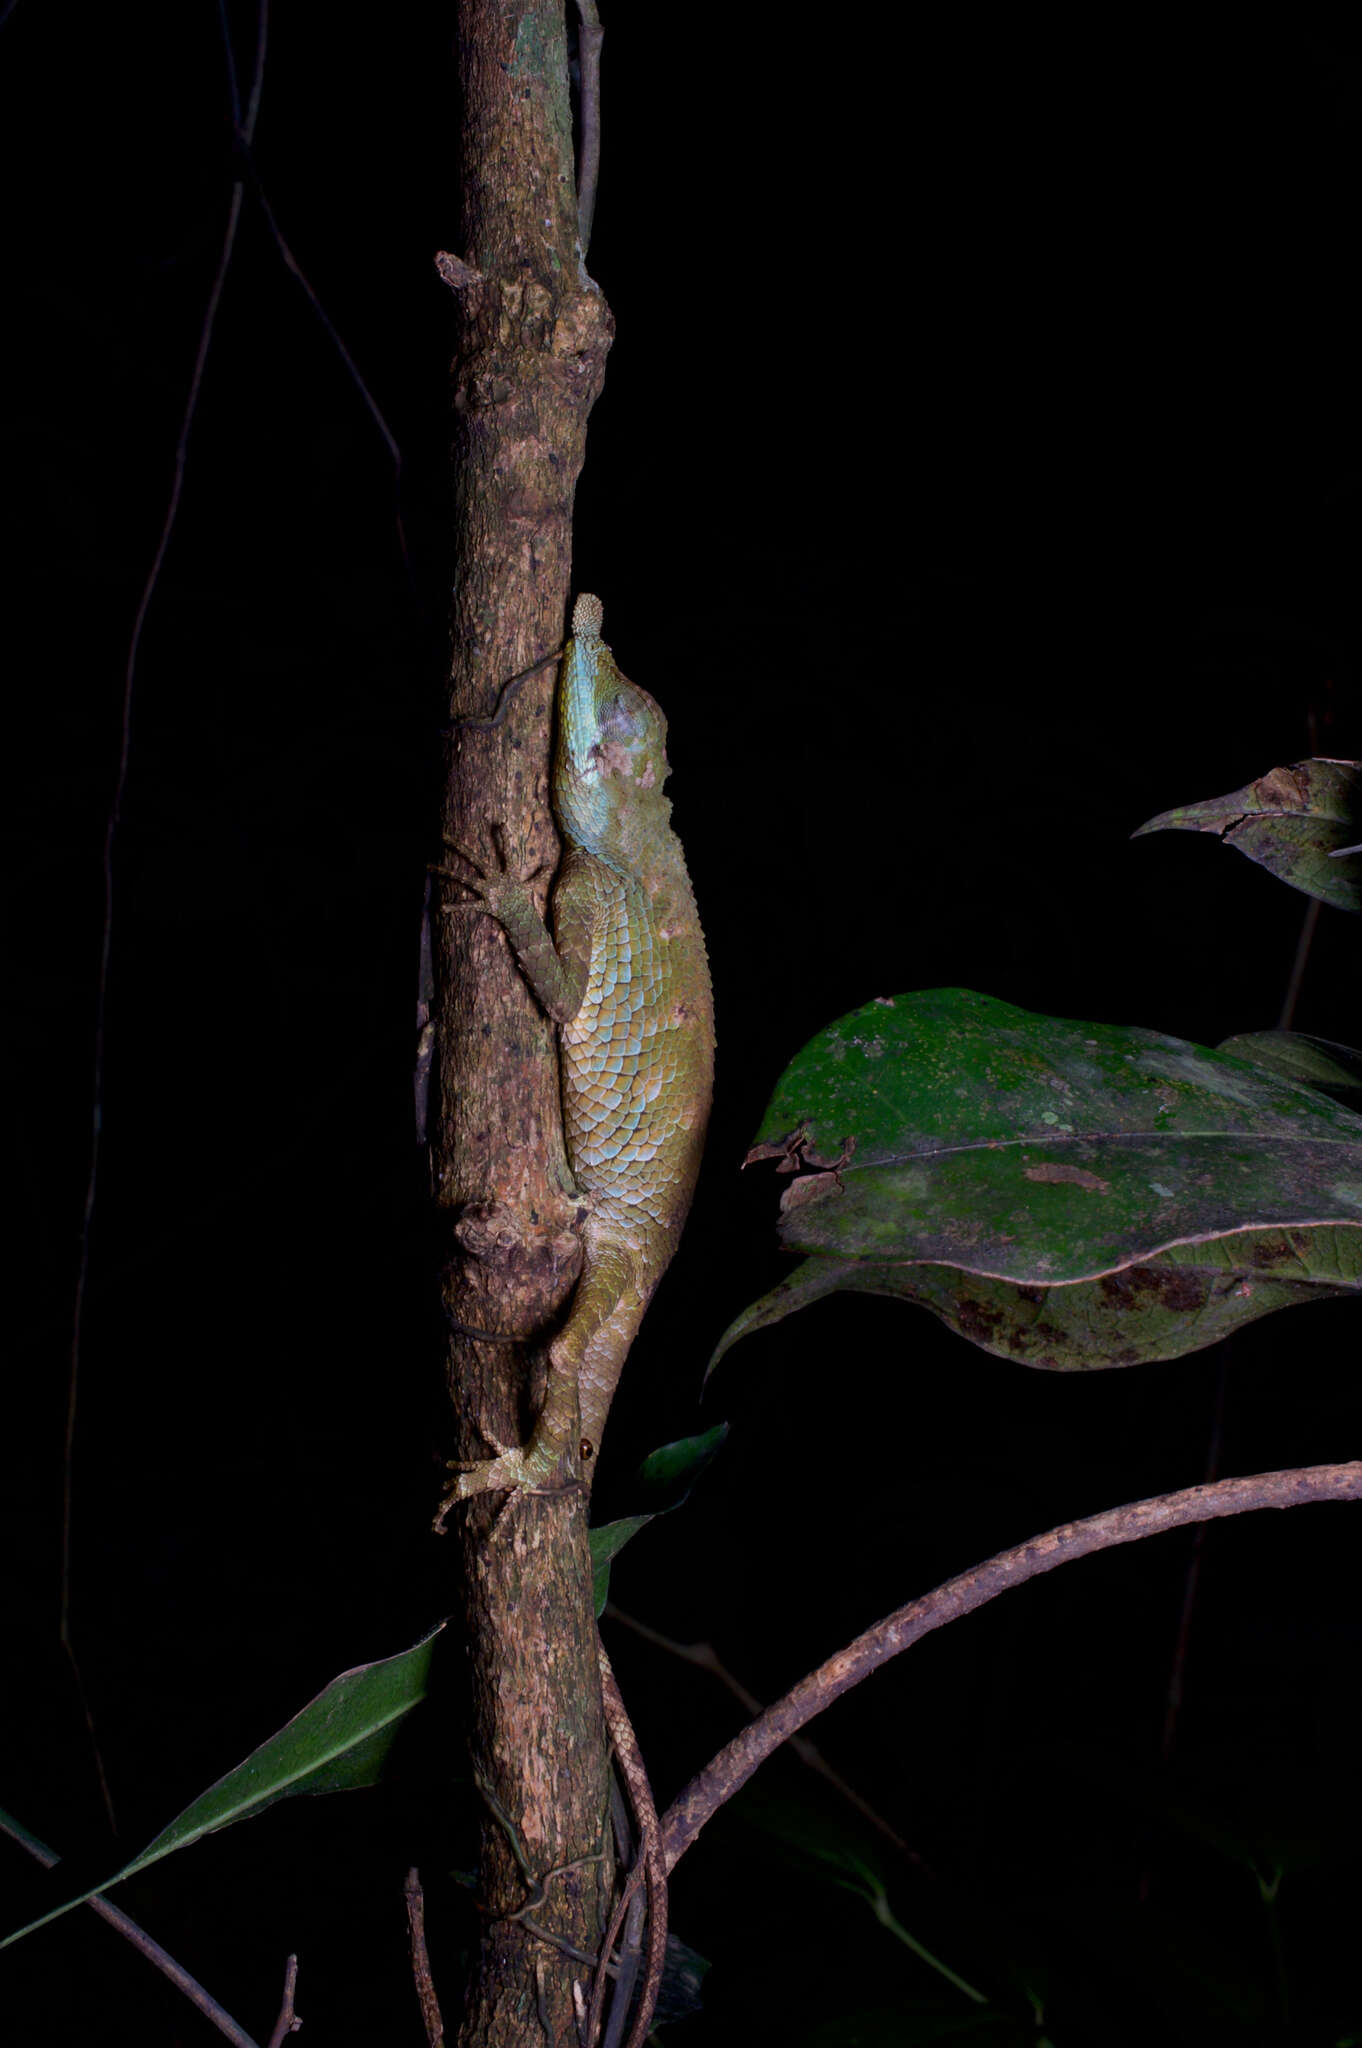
(512, 1251)
(515, 331)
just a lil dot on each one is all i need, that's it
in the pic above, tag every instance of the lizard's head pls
(612, 746)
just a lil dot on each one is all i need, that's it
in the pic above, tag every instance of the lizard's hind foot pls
(515, 1471)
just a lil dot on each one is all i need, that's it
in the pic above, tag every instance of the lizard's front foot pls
(494, 884)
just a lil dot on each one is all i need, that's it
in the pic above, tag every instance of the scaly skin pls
(624, 975)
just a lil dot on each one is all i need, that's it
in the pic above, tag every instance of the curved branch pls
(733, 1766)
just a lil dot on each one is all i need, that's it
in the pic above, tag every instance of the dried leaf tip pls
(588, 616)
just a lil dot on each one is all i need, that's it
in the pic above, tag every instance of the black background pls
(977, 475)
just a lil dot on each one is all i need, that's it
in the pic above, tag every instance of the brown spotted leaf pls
(1301, 823)
(1069, 1195)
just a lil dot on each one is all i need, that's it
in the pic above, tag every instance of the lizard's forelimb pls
(557, 979)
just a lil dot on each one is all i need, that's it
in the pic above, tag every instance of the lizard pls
(624, 975)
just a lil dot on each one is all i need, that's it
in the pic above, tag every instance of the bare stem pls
(420, 1961)
(288, 2021)
(1293, 987)
(733, 1766)
(705, 1657)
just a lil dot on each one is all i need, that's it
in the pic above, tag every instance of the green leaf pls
(606, 1543)
(1291, 821)
(830, 1845)
(667, 1474)
(1070, 1195)
(1335, 1070)
(338, 1743)
(665, 1479)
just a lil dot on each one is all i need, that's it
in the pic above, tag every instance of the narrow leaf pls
(606, 1544)
(666, 1476)
(664, 1480)
(1296, 822)
(336, 1744)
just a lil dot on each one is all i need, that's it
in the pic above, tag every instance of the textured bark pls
(533, 332)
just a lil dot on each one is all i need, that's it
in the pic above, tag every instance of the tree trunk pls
(533, 332)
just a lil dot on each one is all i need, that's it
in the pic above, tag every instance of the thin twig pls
(244, 132)
(734, 1765)
(631, 1942)
(1178, 1668)
(113, 821)
(623, 1925)
(288, 2021)
(155, 1246)
(604, 1967)
(1310, 921)
(590, 36)
(1303, 944)
(420, 1961)
(244, 125)
(390, 441)
(706, 1658)
(158, 1957)
(650, 1847)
